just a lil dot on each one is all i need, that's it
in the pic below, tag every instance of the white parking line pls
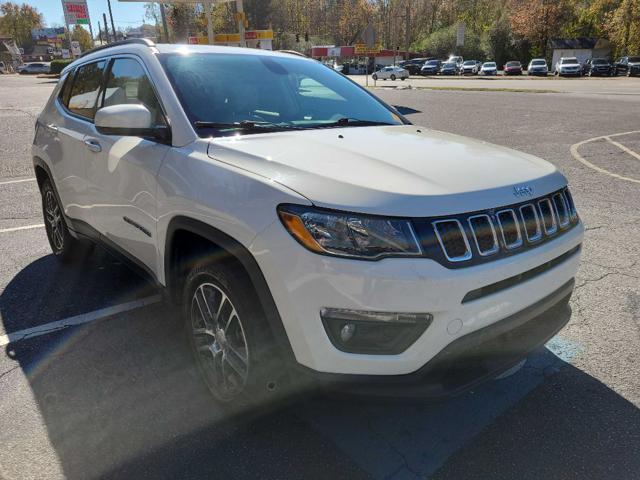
(77, 320)
(574, 152)
(7, 182)
(623, 148)
(26, 227)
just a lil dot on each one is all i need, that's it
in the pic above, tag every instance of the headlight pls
(349, 234)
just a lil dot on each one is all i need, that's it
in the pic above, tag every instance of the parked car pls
(489, 68)
(34, 67)
(469, 67)
(597, 66)
(513, 67)
(449, 68)
(431, 67)
(538, 66)
(289, 232)
(627, 66)
(568, 66)
(391, 73)
(458, 60)
(415, 65)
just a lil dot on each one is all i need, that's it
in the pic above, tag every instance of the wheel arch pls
(201, 238)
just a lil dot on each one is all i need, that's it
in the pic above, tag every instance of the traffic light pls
(297, 38)
(306, 37)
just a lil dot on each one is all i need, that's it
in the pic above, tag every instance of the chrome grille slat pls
(495, 247)
(448, 239)
(561, 209)
(502, 220)
(538, 230)
(548, 216)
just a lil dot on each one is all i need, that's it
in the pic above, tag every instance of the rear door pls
(64, 132)
(121, 170)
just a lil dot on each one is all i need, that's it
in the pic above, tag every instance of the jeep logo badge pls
(523, 191)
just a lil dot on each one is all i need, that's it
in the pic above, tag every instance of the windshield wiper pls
(249, 125)
(354, 122)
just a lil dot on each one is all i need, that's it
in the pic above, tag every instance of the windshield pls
(538, 62)
(470, 62)
(489, 65)
(513, 64)
(219, 91)
(569, 61)
(432, 63)
(634, 59)
(598, 61)
(449, 65)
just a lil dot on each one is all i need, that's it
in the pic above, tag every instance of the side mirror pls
(124, 119)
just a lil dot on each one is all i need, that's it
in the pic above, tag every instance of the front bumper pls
(471, 359)
(303, 283)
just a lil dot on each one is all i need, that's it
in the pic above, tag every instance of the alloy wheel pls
(53, 217)
(220, 341)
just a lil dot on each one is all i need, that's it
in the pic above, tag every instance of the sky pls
(125, 14)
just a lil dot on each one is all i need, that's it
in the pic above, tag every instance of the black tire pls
(374, 76)
(403, 79)
(64, 246)
(235, 345)
(393, 77)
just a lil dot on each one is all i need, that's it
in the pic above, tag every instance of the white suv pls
(264, 193)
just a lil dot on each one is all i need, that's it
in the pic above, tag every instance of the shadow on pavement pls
(46, 290)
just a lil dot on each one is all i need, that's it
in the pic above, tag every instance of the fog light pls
(382, 333)
(347, 332)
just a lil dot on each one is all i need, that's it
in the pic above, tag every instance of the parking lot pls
(96, 379)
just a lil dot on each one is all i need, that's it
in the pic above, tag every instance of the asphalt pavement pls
(116, 396)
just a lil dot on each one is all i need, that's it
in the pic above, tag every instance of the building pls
(583, 48)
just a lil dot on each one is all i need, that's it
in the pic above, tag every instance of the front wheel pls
(374, 76)
(403, 78)
(229, 335)
(393, 78)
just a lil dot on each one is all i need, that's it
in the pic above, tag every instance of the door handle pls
(53, 127)
(93, 145)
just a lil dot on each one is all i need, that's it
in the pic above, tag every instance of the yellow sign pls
(361, 49)
(234, 37)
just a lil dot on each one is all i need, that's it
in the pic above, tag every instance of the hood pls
(400, 170)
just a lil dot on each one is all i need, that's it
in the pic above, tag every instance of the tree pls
(537, 20)
(17, 21)
(83, 36)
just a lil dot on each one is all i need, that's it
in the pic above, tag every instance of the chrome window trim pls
(566, 209)
(467, 255)
(496, 245)
(518, 242)
(538, 236)
(554, 228)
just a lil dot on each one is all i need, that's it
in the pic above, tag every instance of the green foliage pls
(17, 21)
(442, 43)
(58, 65)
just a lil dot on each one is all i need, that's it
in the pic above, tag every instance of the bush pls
(58, 65)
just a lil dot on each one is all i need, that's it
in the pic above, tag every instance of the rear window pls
(599, 61)
(569, 61)
(513, 64)
(85, 89)
(538, 62)
(634, 59)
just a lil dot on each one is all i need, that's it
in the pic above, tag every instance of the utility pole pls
(100, 32)
(113, 27)
(163, 15)
(241, 17)
(406, 31)
(106, 27)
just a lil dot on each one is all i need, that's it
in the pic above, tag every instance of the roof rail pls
(128, 41)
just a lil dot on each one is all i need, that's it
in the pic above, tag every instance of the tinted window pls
(85, 89)
(127, 82)
(287, 92)
(66, 89)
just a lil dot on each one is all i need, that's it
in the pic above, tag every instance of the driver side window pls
(127, 83)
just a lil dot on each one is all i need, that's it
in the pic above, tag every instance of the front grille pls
(477, 237)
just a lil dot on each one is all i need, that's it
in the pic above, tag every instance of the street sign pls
(362, 49)
(460, 35)
(75, 12)
(75, 48)
(370, 36)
